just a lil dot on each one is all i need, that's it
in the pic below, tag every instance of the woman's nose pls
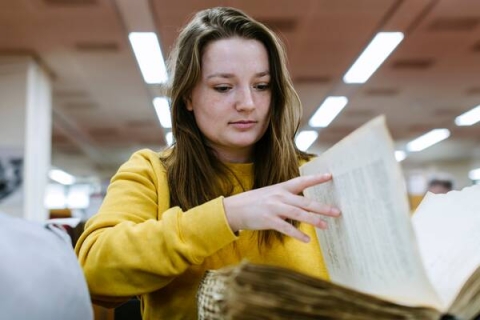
(245, 100)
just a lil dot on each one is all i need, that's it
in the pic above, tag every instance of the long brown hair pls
(190, 161)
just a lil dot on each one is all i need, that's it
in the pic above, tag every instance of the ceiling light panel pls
(327, 111)
(428, 140)
(373, 56)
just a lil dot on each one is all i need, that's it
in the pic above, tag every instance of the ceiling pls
(103, 111)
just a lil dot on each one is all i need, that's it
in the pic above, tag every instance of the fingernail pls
(322, 224)
(327, 175)
(335, 211)
(306, 239)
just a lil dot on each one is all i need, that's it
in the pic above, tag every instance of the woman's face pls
(231, 100)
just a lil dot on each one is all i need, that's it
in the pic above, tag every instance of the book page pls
(371, 247)
(447, 228)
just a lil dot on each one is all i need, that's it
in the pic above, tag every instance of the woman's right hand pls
(269, 207)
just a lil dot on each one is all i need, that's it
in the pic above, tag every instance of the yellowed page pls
(371, 247)
(448, 233)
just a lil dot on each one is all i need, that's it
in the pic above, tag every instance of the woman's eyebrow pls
(262, 74)
(220, 75)
(230, 75)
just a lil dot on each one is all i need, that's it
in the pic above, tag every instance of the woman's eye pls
(262, 86)
(222, 88)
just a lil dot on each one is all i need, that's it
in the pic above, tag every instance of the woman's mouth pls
(243, 124)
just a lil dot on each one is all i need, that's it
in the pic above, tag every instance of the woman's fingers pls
(297, 185)
(313, 206)
(289, 230)
(269, 207)
(298, 214)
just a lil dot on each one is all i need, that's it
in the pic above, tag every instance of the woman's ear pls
(188, 103)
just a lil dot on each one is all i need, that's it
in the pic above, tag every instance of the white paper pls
(448, 233)
(371, 247)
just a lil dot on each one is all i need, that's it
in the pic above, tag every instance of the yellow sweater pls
(137, 245)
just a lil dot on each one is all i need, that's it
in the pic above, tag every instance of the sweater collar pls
(241, 169)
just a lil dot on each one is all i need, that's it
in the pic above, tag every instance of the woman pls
(228, 189)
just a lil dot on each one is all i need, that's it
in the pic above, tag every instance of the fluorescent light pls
(468, 118)
(305, 139)
(428, 139)
(149, 56)
(169, 138)
(327, 111)
(162, 109)
(400, 155)
(474, 174)
(373, 56)
(61, 177)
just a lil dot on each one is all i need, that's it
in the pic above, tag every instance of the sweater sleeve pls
(136, 244)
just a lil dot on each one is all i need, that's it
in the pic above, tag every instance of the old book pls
(382, 263)
(376, 247)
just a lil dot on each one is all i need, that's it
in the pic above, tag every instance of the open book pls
(431, 260)
(382, 263)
